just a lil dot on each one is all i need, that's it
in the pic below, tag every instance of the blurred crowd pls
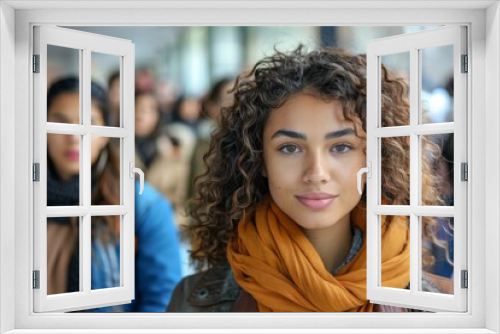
(172, 133)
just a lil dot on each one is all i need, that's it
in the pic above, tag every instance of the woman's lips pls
(73, 155)
(316, 202)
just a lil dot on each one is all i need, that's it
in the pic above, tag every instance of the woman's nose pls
(317, 170)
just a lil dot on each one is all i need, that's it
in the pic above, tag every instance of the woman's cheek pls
(96, 148)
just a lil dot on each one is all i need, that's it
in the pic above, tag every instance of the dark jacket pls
(216, 290)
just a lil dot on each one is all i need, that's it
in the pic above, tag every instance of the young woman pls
(157, 248)
(279, 221)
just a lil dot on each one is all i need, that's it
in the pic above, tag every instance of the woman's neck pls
(332, 243)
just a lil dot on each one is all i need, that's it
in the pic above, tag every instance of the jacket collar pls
(216, 285)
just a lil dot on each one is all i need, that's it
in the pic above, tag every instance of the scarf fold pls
(273, 260)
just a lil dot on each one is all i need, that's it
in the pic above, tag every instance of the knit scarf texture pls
(273, 260)
(59, 192)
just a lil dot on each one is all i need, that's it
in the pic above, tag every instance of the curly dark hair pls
(232, 184)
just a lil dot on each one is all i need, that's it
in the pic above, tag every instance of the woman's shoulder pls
(213, 290)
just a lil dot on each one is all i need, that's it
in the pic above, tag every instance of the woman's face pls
(64, 149)
(146, 115)
(190, 109)
(311, 158)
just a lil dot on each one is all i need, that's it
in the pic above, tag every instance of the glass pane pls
(395, 84)
(106, 76)
(63, 261)
(105, 259)
(437, 169)
(437, 254)
(63, 170)
(437, 84)
(63, 80)
(395, 170)
(395, 259)
(105, 171)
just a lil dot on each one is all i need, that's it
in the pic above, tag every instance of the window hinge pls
(36, 63)
(465, 64)
(465, 171)
(465, 279)
(36, 172)
(36, 279)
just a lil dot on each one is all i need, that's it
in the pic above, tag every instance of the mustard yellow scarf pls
(273, 260)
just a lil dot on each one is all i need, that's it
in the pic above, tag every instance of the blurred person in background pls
(157, 259)
(165, 159)
(187, 111)
(159, 156)
(167, 94)
(218, 97)
(145, 80)
(183, 129)
(114, 98)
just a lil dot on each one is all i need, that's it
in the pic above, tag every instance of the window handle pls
(368, 171)
(138, 171)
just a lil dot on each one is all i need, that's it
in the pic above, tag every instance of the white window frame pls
(85, 44)
(412, 44)
(483, 21)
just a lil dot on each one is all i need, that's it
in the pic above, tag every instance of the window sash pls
(412, 43)
(86, 43)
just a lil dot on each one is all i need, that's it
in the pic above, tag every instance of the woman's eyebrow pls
(339, 133)
(289, 133)
(298, 135)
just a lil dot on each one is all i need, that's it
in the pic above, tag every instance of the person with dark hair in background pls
(279, 222)
(218, 97)
(114, 98)
(158, 155)
(187, 111)
(157, 262)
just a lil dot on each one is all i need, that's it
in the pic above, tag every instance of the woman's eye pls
(289, 149)
(342, 148)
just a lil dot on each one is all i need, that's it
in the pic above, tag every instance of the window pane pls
(63, 76)
(105, 181)
(395, 167)
(63, 170)
(105, 260)
(106, 73)
(437, 169)
(395, 252)
(63, 264)
(396, 79)
(437, 84)
(437, 254)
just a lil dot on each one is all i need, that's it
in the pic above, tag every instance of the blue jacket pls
(157, 256)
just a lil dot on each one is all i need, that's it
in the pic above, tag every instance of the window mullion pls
(85, 168)
(414, 167)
